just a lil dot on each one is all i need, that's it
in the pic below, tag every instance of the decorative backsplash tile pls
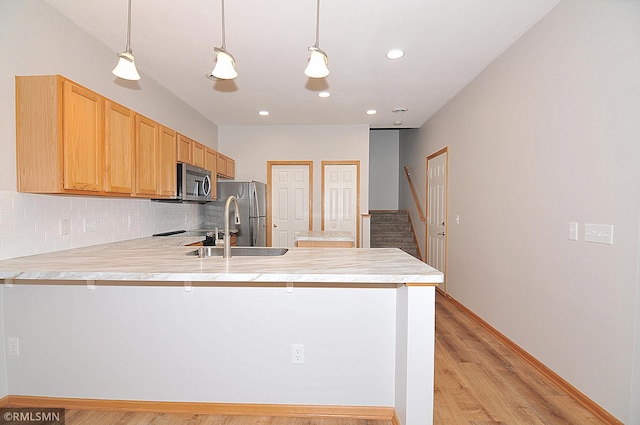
(33, 224)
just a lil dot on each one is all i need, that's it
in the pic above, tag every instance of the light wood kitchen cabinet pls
(184, 150)
(119, 151)
(210, 163)
(198, 154)
(190, 151)
(231, 168)
(82, 138)
(155, 159)
(226, 167)
(71, 140)
(167, 179)
(221, 164)
(147, 144)
(59, 136)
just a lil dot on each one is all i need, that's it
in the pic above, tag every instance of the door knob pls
(440, 234)
(275, 225)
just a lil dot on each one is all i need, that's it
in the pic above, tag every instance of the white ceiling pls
(447, 43)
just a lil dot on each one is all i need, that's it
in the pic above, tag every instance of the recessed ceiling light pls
(324, 94)
(399, 110)
(397, 123)
(263, 113)
(395, 54)
(372, 112)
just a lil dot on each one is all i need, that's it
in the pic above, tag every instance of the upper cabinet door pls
(230, 168)
(221, 164)
(167, 180)
(82, 138)
(119, 152)
(184, 150)
(198, 154)
(146, 138)
(210, 163)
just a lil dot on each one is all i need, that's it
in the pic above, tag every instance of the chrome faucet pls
(227, 233)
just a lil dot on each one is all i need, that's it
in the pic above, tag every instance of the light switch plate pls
(598, 233)
(573, 231)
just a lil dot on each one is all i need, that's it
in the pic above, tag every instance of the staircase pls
(392, 229)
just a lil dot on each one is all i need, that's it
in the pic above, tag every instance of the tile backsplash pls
(34, 224)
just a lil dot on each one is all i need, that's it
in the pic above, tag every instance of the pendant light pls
(317, 67)
(225, 68)
(126, 67)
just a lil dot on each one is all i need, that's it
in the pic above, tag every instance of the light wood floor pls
(478, 380)
(92, 417)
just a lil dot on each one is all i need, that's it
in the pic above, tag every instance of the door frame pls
(358, 200)
(446, 207)
(270, 165)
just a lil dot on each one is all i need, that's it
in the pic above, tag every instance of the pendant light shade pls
(317, 66)
(225, 68)
(126, 66)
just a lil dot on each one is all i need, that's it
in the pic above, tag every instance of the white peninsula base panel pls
(145, 320)
(362, 346)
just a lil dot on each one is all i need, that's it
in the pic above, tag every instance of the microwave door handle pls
(206, 186)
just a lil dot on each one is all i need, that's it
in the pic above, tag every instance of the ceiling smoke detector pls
(399, 110)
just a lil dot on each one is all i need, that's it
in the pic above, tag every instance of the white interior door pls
(290, 201)
(340, 198)
(437, 211)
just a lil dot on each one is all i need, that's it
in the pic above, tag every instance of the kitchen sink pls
(239, 251)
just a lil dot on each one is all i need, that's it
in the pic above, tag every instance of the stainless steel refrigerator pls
(252, 198)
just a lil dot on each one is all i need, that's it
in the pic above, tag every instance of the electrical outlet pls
(65, 227)
(14, 347)
(297, 353)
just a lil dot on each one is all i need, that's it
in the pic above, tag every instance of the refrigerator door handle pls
(255, 214)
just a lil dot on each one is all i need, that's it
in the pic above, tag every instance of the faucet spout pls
(227, 233)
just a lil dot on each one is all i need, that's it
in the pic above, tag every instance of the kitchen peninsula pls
(143, 320)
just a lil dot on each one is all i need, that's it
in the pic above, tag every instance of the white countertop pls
(328, 236)
(164, 259)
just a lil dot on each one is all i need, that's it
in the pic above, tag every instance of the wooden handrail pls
(415, 195)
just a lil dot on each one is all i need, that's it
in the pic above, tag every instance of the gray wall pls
(253, 146)
(546, 135)
(4, 391)
(383, 169)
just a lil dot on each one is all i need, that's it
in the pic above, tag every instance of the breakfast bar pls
(150, 321)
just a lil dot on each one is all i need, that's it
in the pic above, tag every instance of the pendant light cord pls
(224, 47)
(317, 22)
(128, 49)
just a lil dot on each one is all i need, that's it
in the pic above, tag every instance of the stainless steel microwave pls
(194, 183)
